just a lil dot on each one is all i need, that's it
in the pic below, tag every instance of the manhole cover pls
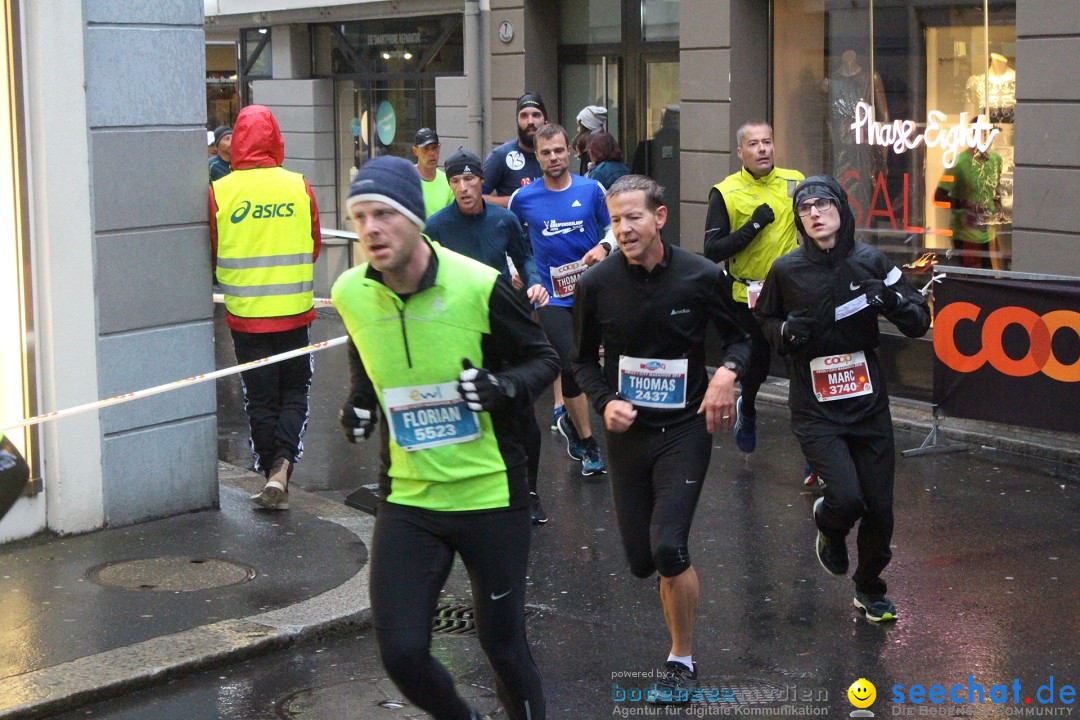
(171, 574)
(371, 699)
(458, 619)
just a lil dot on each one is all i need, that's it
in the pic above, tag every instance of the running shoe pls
(575, 448)
(555, 415)
(812, 480)
(674, 685)
(833, 556)
(539, 517)
(745, 430)
(593, 464)
(877, 608)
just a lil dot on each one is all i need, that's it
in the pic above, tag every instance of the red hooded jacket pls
(257, 143)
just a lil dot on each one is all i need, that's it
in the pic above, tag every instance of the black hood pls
(826, 186)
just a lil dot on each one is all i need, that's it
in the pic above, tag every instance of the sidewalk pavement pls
(68, 639)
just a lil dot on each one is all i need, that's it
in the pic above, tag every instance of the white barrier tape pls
(321, 302)
(127, 397)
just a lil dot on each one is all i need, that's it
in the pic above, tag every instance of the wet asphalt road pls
(984, 576)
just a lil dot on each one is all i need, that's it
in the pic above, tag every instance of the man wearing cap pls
(490, 234)
(749, 224)
(452, 476)
(220, 161)
(513, 164)
(264, 230)
(820, 306)
(437, 194)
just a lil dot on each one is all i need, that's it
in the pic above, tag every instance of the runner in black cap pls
(513, 164)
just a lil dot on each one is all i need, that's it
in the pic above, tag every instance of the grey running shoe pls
(877, 608)
(675, 684)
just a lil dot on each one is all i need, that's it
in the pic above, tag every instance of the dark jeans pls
(276, 395)
(857, 464)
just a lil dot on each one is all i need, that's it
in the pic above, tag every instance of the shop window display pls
(911, 106)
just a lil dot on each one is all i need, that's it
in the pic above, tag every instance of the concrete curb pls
(918, 417)
(64, 687)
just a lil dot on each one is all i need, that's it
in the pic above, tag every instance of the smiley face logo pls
(862, 693)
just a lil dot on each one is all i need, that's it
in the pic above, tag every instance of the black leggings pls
(275, 396)
(857, 463)
(411, 556)
(757, 372)
(558, 324)
(657, 476)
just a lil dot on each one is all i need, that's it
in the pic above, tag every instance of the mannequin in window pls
(994, 92)
(856, 166)
(973, 192)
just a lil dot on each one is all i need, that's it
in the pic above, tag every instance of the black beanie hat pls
(221, 131)
(391, 180)
(462, 162)
(531, 99)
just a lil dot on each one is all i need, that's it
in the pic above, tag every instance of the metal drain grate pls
(457, 619)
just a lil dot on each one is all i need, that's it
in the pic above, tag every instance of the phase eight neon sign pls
(903, 135)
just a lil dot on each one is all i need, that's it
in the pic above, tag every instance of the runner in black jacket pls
(820, 306)
(649, 306)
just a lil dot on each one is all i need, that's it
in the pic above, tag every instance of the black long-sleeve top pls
(659, 314)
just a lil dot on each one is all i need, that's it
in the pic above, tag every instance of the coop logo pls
(1040, 331)
(837, 359)
(653, 365)
(267, 210)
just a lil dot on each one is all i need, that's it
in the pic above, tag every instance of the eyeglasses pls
(821, 205)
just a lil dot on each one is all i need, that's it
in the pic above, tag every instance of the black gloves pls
(481, 389)
(881, 297)
(797, 329)
(356, 423)
(763, 215)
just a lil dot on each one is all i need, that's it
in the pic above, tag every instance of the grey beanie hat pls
(391, 180)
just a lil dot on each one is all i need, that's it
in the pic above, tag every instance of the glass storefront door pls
(910, 105)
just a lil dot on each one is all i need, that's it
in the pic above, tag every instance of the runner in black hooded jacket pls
(819, 304)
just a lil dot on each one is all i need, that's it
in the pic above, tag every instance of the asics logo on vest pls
(268, 210)
(1040, 331)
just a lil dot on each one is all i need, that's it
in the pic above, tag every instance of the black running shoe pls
(575, 448)
(675, 684)
(877, 608)
(539, 517)
(833, 556)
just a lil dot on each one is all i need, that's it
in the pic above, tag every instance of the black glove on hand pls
(480, 389)
(797, 329)
(763, 215)
(356, 423)
(881, 297)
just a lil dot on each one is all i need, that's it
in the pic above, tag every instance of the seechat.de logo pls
(267, 210)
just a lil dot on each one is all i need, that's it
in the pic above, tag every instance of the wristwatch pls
(607, 246)
(730, 365)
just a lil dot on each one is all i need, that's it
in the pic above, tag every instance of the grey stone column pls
(1046, 234)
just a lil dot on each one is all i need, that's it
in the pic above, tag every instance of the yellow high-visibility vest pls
(264, 255)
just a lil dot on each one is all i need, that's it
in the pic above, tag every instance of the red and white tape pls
(127, 397)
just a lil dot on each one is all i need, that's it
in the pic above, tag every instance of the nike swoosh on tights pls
(500, 597)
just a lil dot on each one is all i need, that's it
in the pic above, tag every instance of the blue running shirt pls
(563, 226)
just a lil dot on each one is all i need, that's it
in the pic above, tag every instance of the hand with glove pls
(881, 297)
(763, 215)
(797, 329)
(481, 389)
(356, 423)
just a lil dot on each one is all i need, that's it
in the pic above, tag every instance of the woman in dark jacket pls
(606, 156)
